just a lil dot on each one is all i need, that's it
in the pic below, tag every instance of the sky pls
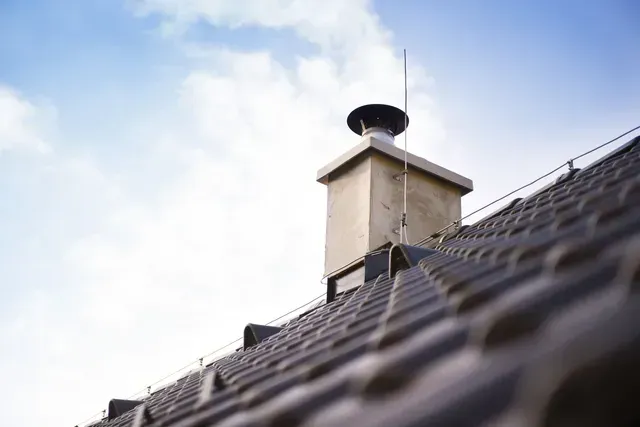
(158, 158)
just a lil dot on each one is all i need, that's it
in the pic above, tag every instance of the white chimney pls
(365, 190)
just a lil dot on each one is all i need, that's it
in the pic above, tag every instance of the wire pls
(512, 192)
(570, 163)
(184, 367)
(351, 263)
(90, 418)
(421, 242)
(298, 308)
(224, 346)
(347, 265)
(429, 238)
(606, 143)
(204, 357)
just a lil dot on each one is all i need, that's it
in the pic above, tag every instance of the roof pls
(530, 317)
(415, 162)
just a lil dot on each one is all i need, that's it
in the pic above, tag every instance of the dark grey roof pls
(530, 317)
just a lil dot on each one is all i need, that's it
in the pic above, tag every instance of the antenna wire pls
(403, 218)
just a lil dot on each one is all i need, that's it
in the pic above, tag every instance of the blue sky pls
(144, 195)
(576, 55)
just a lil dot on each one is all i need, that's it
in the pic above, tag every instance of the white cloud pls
(20, 123)
(334, 24)
(237, 234)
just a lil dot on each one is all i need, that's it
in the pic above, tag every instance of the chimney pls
(365, 193)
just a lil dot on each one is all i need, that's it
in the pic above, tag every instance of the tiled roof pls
(530, 317)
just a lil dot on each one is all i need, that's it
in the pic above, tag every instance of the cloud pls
(233, 230)
(332, 24)
(257, 131)
(21, 123)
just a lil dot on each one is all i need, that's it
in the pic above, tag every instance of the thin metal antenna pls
(403, 217)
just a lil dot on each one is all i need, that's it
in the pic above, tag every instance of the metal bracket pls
(570, 164)
(400, 175)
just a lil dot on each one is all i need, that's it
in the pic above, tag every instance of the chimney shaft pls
(365, 191)
(380, 134)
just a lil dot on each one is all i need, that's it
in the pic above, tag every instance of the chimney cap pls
(377, 115)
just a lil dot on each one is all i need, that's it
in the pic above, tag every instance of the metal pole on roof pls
(403, 217)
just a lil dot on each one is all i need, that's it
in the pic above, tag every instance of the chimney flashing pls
(370, 144)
